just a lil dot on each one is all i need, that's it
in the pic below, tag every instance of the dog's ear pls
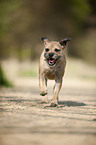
(45, 39)
(64, 42)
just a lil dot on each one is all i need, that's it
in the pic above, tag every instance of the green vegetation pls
(30, 73)
(3, 80)
(93, 78)
(24, 22)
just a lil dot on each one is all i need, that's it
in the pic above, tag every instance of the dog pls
(52, 66)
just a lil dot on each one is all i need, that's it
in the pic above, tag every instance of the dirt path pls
(25, 121)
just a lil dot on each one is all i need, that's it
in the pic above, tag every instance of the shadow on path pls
(71, 103)
(37, 101)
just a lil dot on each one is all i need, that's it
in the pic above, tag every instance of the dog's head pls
(53, 50)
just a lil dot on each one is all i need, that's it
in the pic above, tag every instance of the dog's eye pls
(47, 49)
(57, 50)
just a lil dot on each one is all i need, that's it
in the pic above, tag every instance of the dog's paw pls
(43, 93)
(53, 105)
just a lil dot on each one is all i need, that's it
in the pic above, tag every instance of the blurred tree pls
(23, 22)
(6, 7)
(3, 80)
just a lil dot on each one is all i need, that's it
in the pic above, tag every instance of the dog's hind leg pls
(57, 88)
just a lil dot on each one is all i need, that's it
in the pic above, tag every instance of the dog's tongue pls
(51, 60)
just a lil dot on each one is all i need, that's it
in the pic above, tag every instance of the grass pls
(89, 77)
(29, 73)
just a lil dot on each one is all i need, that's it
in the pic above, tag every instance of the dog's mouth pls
(51, 61)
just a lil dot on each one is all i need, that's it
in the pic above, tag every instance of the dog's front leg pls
(43, 87)
(57, 88)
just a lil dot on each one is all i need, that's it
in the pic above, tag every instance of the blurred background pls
(23, 120)
(24, 22)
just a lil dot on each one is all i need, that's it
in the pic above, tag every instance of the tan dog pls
(52, 66)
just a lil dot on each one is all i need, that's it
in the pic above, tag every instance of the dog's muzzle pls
(51, 58)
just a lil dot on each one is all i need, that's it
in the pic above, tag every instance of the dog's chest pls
(51, 73)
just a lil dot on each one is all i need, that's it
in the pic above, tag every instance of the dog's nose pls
(51, 54)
